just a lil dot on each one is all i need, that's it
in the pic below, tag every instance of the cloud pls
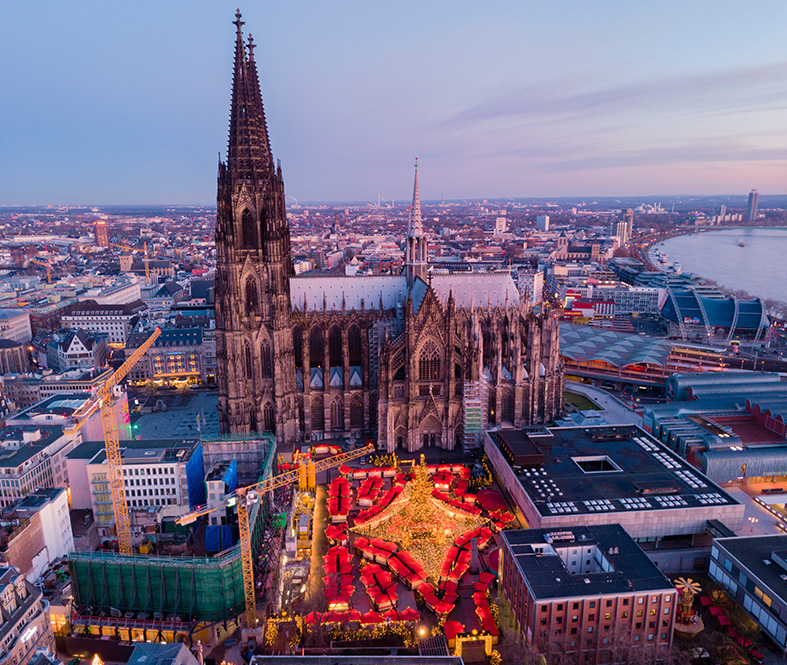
(741, 88)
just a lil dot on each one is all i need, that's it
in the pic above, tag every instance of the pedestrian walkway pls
(613, 410)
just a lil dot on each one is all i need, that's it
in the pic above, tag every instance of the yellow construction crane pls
(48, 269)
(104, 399)
(147, 265)
(246, 496)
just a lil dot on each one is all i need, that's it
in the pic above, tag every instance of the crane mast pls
(249, 495)
(104, 400)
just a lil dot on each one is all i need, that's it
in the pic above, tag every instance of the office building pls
(32, 457)
(15, 325)
(177, 357)
(102, 233)
(753, 570)
(25, 626)
(161, 477)
(116, 321)
(588, 592)
(542, 223)
(35, 531)
(752, 208)
(566, 477)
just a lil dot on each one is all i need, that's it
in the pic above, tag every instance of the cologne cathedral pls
(410, 360)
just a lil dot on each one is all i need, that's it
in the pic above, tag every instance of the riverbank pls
(740, 261)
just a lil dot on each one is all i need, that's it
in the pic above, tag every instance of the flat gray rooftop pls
(611, 469)
(629, 569)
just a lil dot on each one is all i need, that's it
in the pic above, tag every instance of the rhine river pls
(759, 268)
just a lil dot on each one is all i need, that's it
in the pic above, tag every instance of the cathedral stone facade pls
(414, 360)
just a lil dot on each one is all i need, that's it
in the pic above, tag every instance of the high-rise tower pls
(255, 369)
(415, 263)
(754, 201)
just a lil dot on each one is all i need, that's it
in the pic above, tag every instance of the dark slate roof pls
(547, 576)
(168, 337)
(203, 288)
(88, 307)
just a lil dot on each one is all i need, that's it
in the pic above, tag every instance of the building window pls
(249, 230)
(268, 418)
(429, 363)
(266, 366)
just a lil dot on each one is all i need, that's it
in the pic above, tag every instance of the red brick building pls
(587, 595)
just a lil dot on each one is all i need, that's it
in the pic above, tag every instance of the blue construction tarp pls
(231, 476)
(219, 538)
(195, 477)
(213, 539)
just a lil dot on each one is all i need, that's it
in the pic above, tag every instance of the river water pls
(759, 268)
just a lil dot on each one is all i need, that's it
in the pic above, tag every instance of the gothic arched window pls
(268, 418)
(252, 300)
(429, 363)
(356, 412)
(297, 345)
(266, 364)
(248, 369)
(335, 346)
(263, 225)
(354, 345)
(505, 339)
(337, 415)
(248, 229)
(487, 342)
(318, 414)
(316, 347)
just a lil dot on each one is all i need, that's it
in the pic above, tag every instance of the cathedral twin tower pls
(412, 360)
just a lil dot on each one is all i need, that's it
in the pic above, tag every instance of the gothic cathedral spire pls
(415, 263)
(253, 267)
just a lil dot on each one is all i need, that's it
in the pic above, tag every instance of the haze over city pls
(127, 105)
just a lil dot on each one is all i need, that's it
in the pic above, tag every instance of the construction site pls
(179, 595)
(154, 581)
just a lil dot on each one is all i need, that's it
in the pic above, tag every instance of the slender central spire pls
(415, 262)
(415, 227)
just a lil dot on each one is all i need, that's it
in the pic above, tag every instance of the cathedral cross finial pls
(238, 23)
(252, 46)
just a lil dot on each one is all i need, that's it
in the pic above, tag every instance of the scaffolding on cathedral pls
(474, 399)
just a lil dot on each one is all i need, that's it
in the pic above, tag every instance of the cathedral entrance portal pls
(431, 433)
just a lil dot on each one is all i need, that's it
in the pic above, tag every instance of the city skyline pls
(527, 101)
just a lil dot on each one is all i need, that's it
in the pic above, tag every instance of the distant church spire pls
(415, 225)
(415, 264)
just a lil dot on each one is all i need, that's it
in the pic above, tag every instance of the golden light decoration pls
(421, 524)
